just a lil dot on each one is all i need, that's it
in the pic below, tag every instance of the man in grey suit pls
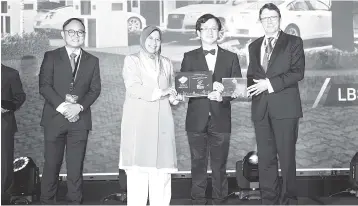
(12, 98)
(70, 83)
(277, 64)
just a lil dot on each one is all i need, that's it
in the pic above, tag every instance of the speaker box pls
(353, 172)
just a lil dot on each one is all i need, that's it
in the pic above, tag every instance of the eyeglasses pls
(209, 29)
(72, 33)
(271, 18)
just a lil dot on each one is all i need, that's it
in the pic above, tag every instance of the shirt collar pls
(77, 51)
(275, 37)
(215, 48)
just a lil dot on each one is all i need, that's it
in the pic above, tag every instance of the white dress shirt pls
(211, 59)
(77, 51)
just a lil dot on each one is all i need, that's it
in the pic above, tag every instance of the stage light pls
(247, 177)
(26, 185)
(251, 167)
(121, 196)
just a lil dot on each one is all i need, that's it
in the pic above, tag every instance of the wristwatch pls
(81, 108)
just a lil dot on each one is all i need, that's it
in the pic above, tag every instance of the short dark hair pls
(270, 6)
(204, 18)
(70, 20)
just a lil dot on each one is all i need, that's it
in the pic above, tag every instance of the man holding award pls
(208, 120)
(70, 83)
(277, 64)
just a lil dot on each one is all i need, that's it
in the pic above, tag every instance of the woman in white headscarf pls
(147, 149)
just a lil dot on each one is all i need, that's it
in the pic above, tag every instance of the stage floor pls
(311, 191)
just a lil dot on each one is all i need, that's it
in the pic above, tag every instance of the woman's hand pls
(180, 97)
(169, 91)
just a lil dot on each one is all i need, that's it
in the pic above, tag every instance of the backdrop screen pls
(328, 131)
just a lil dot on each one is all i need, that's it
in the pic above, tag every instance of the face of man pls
(270, 21)
(74, 34)
(152, 43)
(209, 32)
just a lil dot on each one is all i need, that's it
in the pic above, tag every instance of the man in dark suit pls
(12, 97)
(70, 83)
(208, 120)
(277, 64)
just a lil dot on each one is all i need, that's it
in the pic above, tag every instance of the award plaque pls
(194, 84)
(237, 85)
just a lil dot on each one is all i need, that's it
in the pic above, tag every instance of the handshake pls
(70, 109)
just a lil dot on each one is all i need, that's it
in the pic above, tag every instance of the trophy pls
(237, 85)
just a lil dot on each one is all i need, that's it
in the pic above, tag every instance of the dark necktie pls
(268, 51)
(269, 48)
(211, 52)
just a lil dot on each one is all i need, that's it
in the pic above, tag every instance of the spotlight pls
(251, 167)
(26, 184)
(247, 177)
(122, 195)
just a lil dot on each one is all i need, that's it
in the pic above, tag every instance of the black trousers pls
(203, 144)
(7, 158)
(55, 142)
(277, 137)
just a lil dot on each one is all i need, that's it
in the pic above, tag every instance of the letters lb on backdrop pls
(342, 95)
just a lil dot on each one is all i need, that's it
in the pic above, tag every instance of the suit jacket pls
(227, 65)
(12, 97)
(285, 69)
(54, 83)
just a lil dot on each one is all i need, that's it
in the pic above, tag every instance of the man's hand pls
(72, 110)
(74, 119)
(215, 96)
(4, 110)
(217, 86)
(258, 88)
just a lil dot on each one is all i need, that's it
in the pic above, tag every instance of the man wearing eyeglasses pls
(208, 119)
(277, 64)
(70, 83)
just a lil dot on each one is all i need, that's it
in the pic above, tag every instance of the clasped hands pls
(71, 111)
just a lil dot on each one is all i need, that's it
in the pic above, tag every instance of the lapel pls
(257, 51)
(4, 78)
(276, 49)
(64, 57)
(201, 58)
(82, 67)
(80, 72)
